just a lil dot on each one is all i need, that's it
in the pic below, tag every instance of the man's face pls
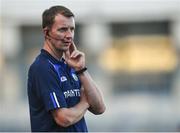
(62, 32)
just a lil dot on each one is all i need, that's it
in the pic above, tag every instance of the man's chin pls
(64, 49)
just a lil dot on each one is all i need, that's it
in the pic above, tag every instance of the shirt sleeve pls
(49, 88)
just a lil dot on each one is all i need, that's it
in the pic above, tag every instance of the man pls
(60, 89)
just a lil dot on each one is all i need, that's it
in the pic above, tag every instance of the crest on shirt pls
(63, 78)
(75, 77)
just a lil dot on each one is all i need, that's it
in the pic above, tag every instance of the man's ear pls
(46, 32)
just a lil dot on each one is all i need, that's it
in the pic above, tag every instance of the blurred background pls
(132, 51)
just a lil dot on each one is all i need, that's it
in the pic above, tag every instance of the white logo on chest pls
(75, 77)
(63, 78)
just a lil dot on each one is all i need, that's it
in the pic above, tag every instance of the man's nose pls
(69, 34)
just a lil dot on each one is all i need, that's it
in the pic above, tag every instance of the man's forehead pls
(64, 20)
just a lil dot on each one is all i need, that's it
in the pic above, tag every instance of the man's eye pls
(62, 29)
(72, 29)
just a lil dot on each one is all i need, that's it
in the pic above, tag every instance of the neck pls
(49, 48)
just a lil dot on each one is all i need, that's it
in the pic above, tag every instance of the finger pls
(75, 54)
(72, 47)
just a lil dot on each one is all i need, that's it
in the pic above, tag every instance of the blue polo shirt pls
(52, 84)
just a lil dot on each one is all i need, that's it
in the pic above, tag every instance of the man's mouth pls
(67, 43)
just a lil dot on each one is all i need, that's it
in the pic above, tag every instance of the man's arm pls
(69, 116)
(76, 59)
(94, 96)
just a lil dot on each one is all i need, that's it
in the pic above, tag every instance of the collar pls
(49, 56)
